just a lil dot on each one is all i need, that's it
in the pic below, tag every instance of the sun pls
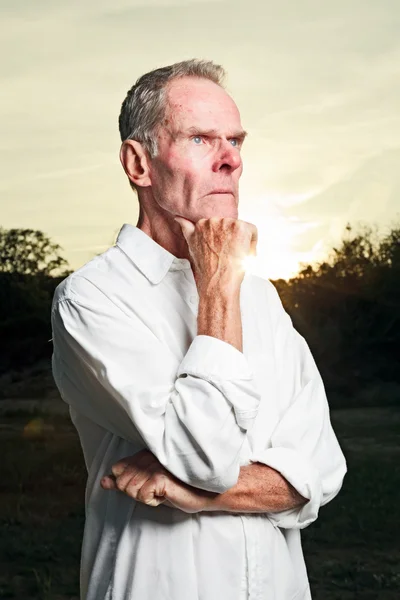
(280, 266)
(276, 255)
(249, 263)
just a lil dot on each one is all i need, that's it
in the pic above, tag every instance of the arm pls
(259, 489)
(192, 415)
(143, 478)
(303, 467)
(303, 447)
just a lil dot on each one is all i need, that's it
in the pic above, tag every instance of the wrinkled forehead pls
(200, 103)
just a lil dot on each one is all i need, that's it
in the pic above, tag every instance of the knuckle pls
(158, 477)
(124, 479)
(212, 222)
(117, 469)
(128, 472)
(201, 225)
(132, 488)
(141, 494)
(120, 482)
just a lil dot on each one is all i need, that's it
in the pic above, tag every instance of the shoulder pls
(99, 281)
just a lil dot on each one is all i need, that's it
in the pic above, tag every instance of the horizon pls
(317, 88)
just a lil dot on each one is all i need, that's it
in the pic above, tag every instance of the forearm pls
(219, 313)
(259, 489)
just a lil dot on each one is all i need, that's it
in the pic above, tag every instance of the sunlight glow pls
(279, 237)
(249, 263)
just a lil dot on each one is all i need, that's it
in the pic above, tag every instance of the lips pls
(221, 192)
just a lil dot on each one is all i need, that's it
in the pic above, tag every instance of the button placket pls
(191, 297)
(251, 561)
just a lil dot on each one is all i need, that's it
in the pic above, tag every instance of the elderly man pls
(201, 413)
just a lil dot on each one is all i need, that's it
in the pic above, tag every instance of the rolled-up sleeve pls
(303, 445)
(193, 415)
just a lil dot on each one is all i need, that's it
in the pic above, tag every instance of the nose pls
(227, 157)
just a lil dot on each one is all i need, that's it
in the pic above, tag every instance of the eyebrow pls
(213, 132)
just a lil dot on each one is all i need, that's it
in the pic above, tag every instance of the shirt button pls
(193, 299)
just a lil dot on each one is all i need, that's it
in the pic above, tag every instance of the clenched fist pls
(143, 478)
(218, 246)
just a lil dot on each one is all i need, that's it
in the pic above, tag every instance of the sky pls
(317, 85)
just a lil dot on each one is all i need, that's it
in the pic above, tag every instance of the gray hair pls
(145, 104)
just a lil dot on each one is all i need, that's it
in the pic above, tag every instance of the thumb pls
(187, 226)
(108, 483)
(253, 244)
(253, 247)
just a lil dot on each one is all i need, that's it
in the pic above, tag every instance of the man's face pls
(199, 145)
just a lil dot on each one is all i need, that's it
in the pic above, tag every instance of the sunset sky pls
(317, 84)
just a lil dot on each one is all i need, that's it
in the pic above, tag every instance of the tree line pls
(347, 308)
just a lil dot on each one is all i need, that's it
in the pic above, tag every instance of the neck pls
(168, 234)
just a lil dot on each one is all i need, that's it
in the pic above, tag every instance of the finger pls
(253, 242)
(135, 484)
(131, 474)
(108, 483)
(187, 227)
(253, 247)
(138, 472)
(143, 457)
(119, 467)
(152, 492)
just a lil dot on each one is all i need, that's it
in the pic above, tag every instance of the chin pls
(223, 211)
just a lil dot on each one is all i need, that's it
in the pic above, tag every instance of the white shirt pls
(128, 361)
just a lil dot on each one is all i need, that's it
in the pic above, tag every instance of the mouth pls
(221, 192)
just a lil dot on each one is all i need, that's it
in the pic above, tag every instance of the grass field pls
(352, 550)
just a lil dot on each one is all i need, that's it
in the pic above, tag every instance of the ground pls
(352, 551)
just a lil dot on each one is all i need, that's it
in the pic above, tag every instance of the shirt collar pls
(151, 259)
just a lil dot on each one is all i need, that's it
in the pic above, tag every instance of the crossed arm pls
(259, 488)
(193, 426)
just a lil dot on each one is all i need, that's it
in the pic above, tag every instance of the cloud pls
(370, 194)
(66, 172)
(316, 83)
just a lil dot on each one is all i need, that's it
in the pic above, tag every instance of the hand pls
(218, 246)
(143, 478)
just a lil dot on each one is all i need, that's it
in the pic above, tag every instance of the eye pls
(197, 137)
(235, 140)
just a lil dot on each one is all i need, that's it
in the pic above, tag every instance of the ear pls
(135, 162)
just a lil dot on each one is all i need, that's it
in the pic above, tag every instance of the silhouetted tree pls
(348, 309)
(30, 252)
(29, 261)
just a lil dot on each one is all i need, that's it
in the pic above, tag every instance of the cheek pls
(176, 159)
(182, 167)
